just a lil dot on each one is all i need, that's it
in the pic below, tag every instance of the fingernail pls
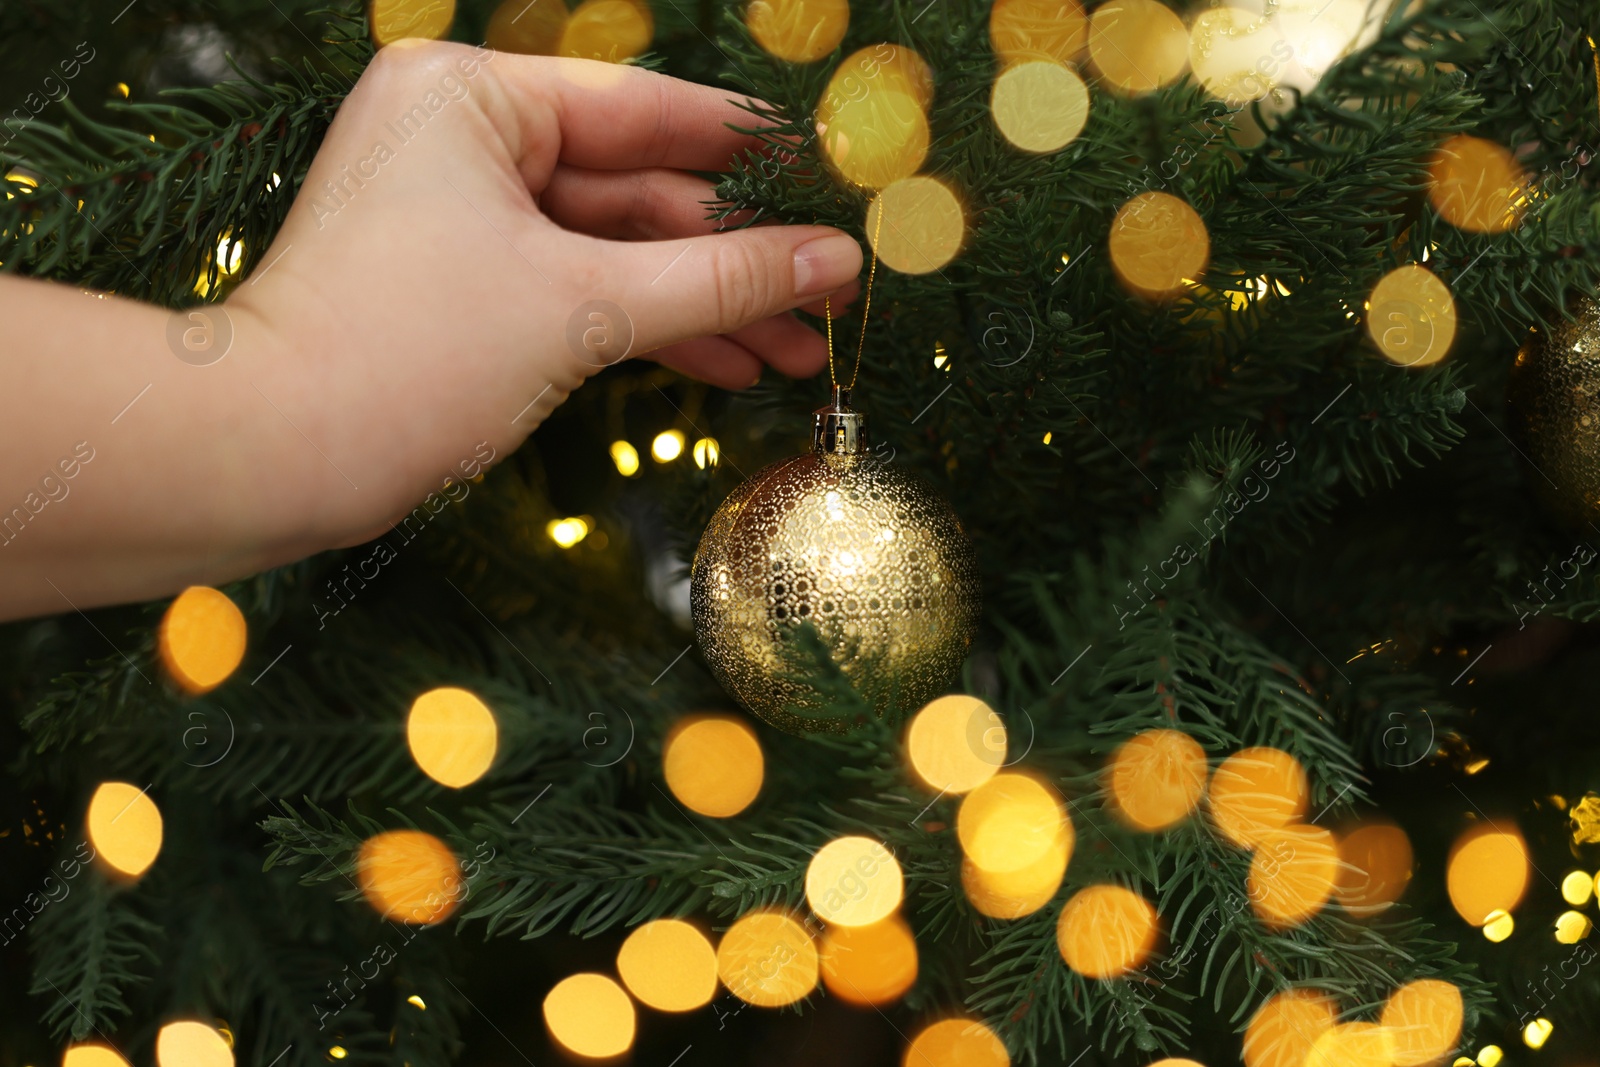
(823, 264)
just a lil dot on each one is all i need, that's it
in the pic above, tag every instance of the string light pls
(1010, 822)
(713, 764)
(1292, 873)
(955, 744)
(1039, 106)
(92, 1054)
(1158, 244)
(1021, 31)
(452, 735)
(416, 1002)
(669, 965)
(1106, 930)
(201, 639)
(928, 225)
(1286, 1026)
(590, 1015)
(1424, 1020)
(567, 532)
(1576, 888)
(1157, 778)
(1255, 791)
(667, 446)
(1487, 873)
(1412, 319)
(1536, 1033)
(1490, 1056)
(626, 457)
(1013, 894)
(189, 1043)
(800, 31)
(706, 453)
(1572, 927)
(1358, 1044)
(853, 881)
(956, 1043)
(766, 958)
(409, 876)
(1138, 45)
(1376, 864)
(1476, 185)
(1498, 926)
(338, 1052)
(869, 965)
(124, 825)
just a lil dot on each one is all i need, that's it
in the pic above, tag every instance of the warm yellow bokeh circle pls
(1359, 1044)
(1488, 872)
(1106, 930)
(202, 638)
(877, 138)
(1424, 1019)
(853, 881)
(1257, 790)
(1411, 316)
(1477, 185)
(1039, 106)
(956, 743)
(189, 1043)
(800, 31)
(1283, 1030)
(1025, 30)
(1292, 874)
(1156, 778)
(124, 826)
(956, 1043)
(916, 225)
(766, 958)
(1158, 244)
(869, 965)
(1376, 865)
(453, 736)
(607, 30)
(1011, 822)
(396, 20)
(589, 1014)
(713, 764)
(527, 27)
(669, 965)
(1138, 45)
(93, 1054)
(1013, 894)
(409, 876)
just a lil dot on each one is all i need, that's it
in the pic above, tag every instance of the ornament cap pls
(839, 429)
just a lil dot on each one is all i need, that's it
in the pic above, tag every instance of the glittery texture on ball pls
(1554, 393)
(867, 553)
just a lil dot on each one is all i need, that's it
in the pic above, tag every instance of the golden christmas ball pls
(1554, 395)
(861, 550)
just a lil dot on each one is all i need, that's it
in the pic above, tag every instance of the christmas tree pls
(1269, 743)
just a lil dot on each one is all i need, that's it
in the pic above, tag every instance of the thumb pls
(701, 286)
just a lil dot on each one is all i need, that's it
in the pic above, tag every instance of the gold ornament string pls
(866, 309)
(1594, 50)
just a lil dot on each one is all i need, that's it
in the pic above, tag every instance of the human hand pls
(428, 289)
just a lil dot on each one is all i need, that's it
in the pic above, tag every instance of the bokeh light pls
(1254, 791)
(189, 1043)
(1577, 887)
(527, 27)
(92, 1054)
(667, 446)
(1010, 822)
(1237, 54)
(1024, 30)
(882, 66)
(395, 20)
(1499, 925)
(1177, 1061)
(124, 826)
(766, 958)
(1424, 1020)
(567, 532)
(608, 30)
(869, 965)
(1490, 1056)
(202, 638)
(409, 876)
(1106, 930)
(956, 743)
(1138, 45)
(1158, 244)
(1375, 867)
(706, 452)
(1357, 1044)
(453, 736)
(1283, 1030)
(956, 1043)
(1476, 185)
(922, 225)
(1013, 894)
(713, 764)
(1536, 1033)
(1411, 316)
(1292, 874)
(626, 457)
(1039, 106)
(1488, 872)
(853, 881)
(874, 138)
(669, 965)
(1156, 778)
(1572, 927)
(589, 1014)
(800, 31)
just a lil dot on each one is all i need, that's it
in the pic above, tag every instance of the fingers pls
(717, 284)
(713, 360)
(837, 303)
(613, 116)
(785, 344)
(650, 204)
